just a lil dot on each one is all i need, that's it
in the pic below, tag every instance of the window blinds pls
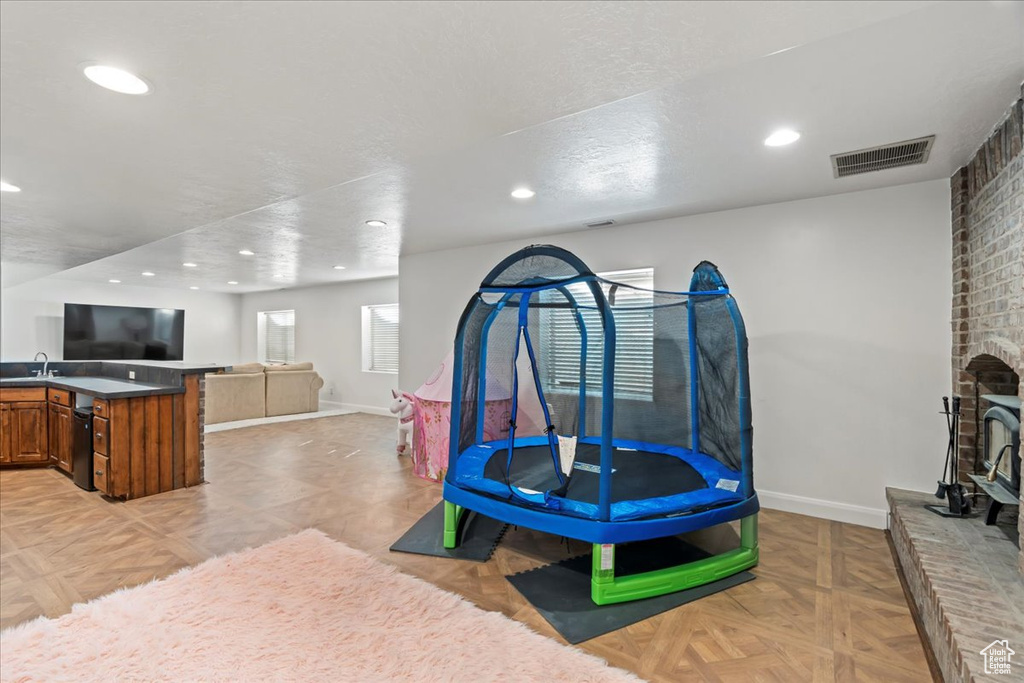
(384, 338)
(634, 345)
(280, 336)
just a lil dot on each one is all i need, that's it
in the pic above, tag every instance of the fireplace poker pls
(940, 492)
(950, 488)
(959, 504)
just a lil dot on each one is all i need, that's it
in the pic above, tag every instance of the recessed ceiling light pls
(148, 274)
(246, 252)
(7, 187)
(377, 224)
(193, 288)
(116, 79)
(339, 267)
(232, 282)
(190, 265)
(114, 282)
(523, 193)
(278, 275)
(783, 136)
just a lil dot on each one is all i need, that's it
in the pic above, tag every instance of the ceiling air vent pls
(600, 224)
(906, 153)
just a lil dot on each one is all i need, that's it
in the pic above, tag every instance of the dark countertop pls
(98, 387)
(107, 379)
(178, 366)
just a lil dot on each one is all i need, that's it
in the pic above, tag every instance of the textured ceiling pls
(282, 127)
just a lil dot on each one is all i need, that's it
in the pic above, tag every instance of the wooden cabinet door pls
(29, 432)
(66, 439)
(53, 431)
(5, 433)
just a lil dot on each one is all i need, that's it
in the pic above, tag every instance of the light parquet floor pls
(826, 605)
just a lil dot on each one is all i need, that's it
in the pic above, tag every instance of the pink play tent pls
(432, 422)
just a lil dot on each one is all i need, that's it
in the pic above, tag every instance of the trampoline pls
(644, 398)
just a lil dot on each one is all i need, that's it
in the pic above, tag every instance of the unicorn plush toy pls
(403, 407)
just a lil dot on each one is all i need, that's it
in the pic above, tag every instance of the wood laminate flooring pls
(826, 605)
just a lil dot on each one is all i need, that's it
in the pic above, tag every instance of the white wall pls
(32, 316)
(328, 332)
(846, 301)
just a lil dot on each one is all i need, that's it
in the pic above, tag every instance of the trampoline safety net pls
(557, 350)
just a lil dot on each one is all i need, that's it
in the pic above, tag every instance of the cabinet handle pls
(98, 473)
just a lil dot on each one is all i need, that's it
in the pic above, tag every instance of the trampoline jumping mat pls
(426, 537)
(561, 591)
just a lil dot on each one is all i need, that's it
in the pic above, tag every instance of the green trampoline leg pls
(452, 514)
(605, 589)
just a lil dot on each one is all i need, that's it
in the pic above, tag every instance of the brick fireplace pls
(963, 576)
(988, 284)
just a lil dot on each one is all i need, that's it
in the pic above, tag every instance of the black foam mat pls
(480, 535)
(561, 591)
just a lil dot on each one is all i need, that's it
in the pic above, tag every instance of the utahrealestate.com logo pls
(997, 657)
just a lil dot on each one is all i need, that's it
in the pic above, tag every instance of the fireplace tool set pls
(959, 505)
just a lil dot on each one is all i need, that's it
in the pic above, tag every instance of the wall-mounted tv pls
(123, 333)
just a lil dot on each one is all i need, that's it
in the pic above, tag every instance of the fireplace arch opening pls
(990, 447)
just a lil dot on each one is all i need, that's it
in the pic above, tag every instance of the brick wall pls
(988, 280)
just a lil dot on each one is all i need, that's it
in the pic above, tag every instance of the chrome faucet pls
(46, 364)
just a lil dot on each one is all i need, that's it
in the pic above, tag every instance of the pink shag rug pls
(303, 608)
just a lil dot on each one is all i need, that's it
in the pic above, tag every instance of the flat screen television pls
(123, 333)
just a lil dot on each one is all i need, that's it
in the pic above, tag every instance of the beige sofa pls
(236, 394)
(256, 390)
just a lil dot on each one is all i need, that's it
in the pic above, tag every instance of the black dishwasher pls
(81, 449)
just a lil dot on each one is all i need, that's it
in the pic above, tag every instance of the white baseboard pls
(824, 509)
(331, 405)
(239, 424)
(357, 407)
(372, 410)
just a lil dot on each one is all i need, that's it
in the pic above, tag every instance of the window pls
(276, 336)
(380, 338)
(634, 344)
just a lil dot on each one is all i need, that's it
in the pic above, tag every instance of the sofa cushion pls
(245, 369)
(235, 396)
(293, 392)
(290, 367)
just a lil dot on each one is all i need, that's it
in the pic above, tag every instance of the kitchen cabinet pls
(28, 432)
(142, 444)
(139, 445)
(53, 431)
(65, 438)
(5, 433)
(24, 435)
(61, 428)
